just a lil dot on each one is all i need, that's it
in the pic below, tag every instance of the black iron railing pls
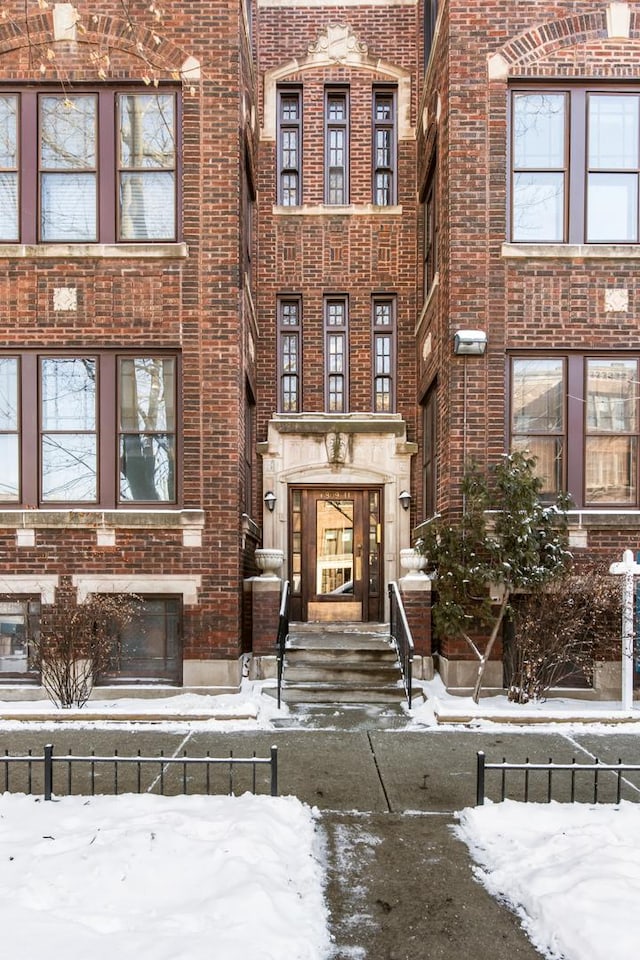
(401, 636)
(283, 633)
(52, 774)
(564, 782)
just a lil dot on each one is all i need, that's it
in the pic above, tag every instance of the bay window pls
(77, 184)
(94, 429)
(575, 158)
(578, 415)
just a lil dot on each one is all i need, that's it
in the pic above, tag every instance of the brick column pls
(415, 590)
(265, 593)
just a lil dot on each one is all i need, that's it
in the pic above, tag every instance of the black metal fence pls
(573, 782)
(401, 635)
(283, 633)
(52, 774)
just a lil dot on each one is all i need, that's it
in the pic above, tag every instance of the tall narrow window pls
(289, 148)
(68, 423)
(613, 168)
(611, 431)
(336, 354)
(147, 167)
(337, 147)
(429, 452)
(9, 168)
(147, 392)
(9, 428)
(68, 167)
(289, 331)
(539, 167)
(538, 417)
(430, 233)
(383, 354)
(384, 148)
(430, 18)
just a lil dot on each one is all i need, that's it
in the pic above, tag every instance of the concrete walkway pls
(400, 884)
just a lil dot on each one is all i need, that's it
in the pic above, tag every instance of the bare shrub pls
(78, 642)
(560, 632)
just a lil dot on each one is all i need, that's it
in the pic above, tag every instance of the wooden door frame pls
(372, 604)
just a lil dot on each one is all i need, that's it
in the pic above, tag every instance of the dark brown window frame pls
(32, 623)
(576, 164)
(430, 451)
(342, 331)
(107, 429)
(295, 331)
(430, 20)
(575, 430)
(391, 125)
(430, 228)
(107, 161)
(117, 675)
(287, 125)
(384, 331)
(337, 93)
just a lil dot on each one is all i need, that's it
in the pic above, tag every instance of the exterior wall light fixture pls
(270, 500)
(470, 343)
(405, 499)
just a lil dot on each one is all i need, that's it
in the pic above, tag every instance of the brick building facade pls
(128, 328)
(238, 242)
(529, 153)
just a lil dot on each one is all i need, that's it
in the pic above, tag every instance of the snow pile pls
(160, 878)
(571, 871)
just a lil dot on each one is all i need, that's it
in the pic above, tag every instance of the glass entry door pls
(335, 551)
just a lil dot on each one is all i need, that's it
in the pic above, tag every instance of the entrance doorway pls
(335, 553)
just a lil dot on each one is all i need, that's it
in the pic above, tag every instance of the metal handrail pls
(401, 636)
(283, 633)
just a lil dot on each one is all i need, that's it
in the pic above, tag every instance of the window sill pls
(38, 519)
(619, 518)
(571, 251)
(97, 251)
(336, 210)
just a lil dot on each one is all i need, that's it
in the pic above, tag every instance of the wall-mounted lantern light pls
(470, 343)
(270, 500)
(405, 499)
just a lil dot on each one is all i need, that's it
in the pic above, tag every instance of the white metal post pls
(627, 569)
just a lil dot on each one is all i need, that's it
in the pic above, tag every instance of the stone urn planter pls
(269, 563)
(413, 561)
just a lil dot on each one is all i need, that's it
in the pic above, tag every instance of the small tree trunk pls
(492, 639)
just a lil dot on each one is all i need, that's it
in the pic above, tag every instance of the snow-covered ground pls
(160, 878)
(441, 708)
(252, 708)
(571, 871)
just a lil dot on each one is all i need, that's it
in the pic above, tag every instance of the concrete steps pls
(341, 663)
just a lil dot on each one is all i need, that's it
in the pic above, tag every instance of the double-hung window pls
(384, 309)
(336, 147)
(580, 417)
(289, 147)
(336, 361)
(104, 432)
(575, 157)
(430, 212)
(289, 354)
(384, 148)
(88, 167)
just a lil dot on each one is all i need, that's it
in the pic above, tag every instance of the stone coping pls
(98, 519)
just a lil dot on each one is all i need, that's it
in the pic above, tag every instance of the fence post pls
(48, 771)
(480, 778)
(274, 771)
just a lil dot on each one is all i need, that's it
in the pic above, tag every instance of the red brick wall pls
(355, 255)
(192, 305)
